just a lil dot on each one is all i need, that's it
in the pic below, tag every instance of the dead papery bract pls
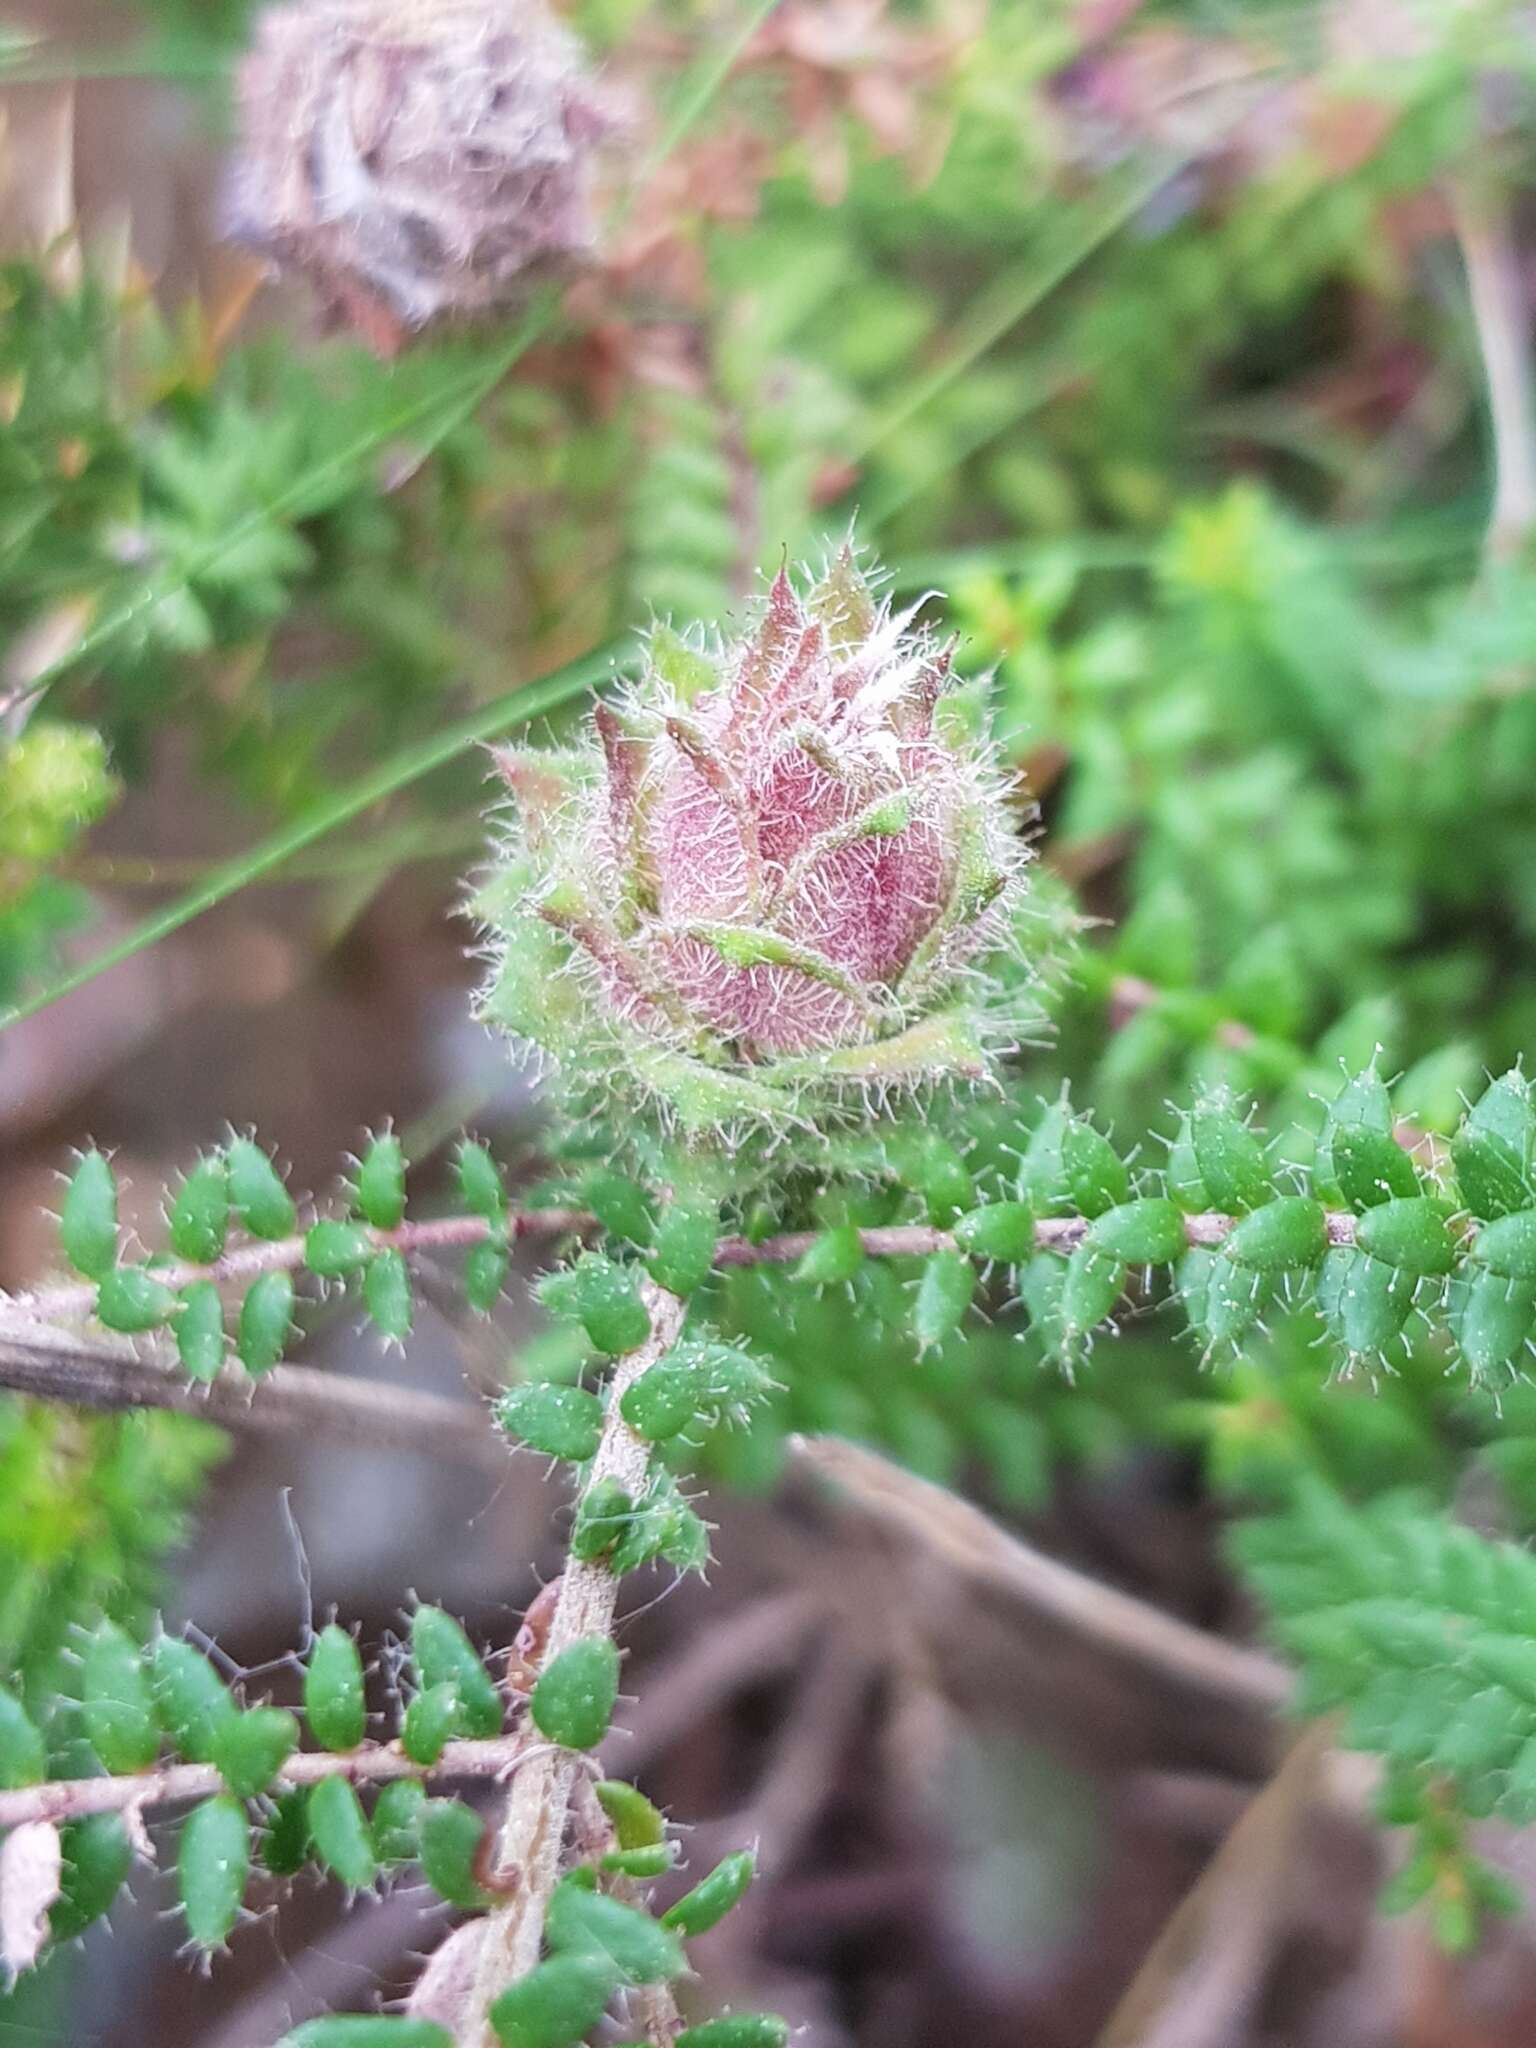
(415, 161)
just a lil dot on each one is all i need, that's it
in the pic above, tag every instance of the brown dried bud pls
(416, 159)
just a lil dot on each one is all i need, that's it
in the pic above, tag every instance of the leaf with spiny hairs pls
(1494, 1152)
(574, 1698)
(200, 1214)
(442, 1654)
(266, 1322)
(213, 1862)
(334, 1699)
(256, 1191)
(381, 1182)
(88, 1216)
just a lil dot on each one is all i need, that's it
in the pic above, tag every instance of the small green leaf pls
(1494, 1152)
(1364, 1301)
(443, 1655)
(1370, 1167)
(574, 1698)
(23, 1754)
(1508, 1245)
(943, 1296)
(558, 2003)
(737, 2030)
(1291, 1230)
(605, 1299)
(285, 1843)
(602, 1514)
(451, 1836)
(192, 1702)
(666, 1397)
(1149, 1232)
(485, 1274)
(200, 1213)
(131, 1299)
(387, 1294)
(1409, 1235)
(621, 1205)
(117, 1708)
(266, 1322)
(88, 1217)
(1095, 1281)
(480, 1184)
(559, 1421)
(711, 1899)
(686, 1241)
(252, 1748)
(1216, 1161)
(340, 1833)
(1492, 1319)
(199, 1331)
(368, 2030)
(256, 1191)
(1000, 1230)
(97, 1857)
(381, 1183)
(635, 1821)
(432, 1720)
(335, 1701)
(834, 1257)
(333, 1249)
(1069, 1167)
(590, 1923)
(932, 1168)
(641, 1864)
(212, 1865)
(397, 1820)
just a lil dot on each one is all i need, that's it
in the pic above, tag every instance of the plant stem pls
(112, 1374)
(887, 1241)
(1502, 321)
(439, 1233)
(375, 1763)
(531, 1841)
(102, 1371)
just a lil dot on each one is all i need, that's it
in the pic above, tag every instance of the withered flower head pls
(415, 158)
(770, 877)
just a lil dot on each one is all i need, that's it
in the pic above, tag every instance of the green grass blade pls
(515, 708)
(1014, 296)
(697, 92)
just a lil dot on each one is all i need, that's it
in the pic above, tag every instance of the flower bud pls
(767, 879)
(415, 158)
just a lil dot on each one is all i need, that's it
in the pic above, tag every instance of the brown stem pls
(111, 1373)
(375, 1763)
(531, 1839)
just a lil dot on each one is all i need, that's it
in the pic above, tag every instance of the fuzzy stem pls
(440, 1233)
(375, 1763)
(115, 1373)
(531, 1840)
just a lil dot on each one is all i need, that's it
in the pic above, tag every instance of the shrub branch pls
(374, 1763)
(531, 1839)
